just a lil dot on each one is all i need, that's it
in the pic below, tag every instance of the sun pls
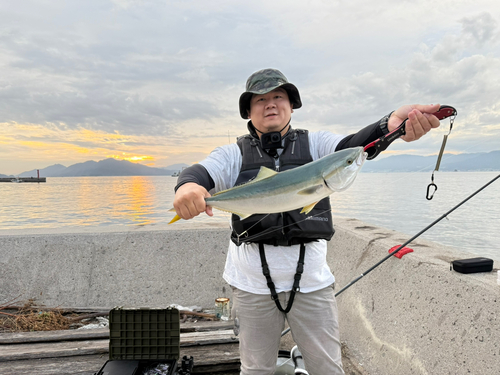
(132, 158)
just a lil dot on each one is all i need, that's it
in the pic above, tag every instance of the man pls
(282, 255)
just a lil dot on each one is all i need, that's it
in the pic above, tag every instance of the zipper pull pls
(253, 143)
(293, 138)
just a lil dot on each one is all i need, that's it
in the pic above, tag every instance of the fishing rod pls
(415, 236)
(406, 243)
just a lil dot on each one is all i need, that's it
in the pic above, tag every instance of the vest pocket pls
(257, 228)
(315, 225)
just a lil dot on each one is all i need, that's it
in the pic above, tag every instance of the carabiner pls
(432, 184)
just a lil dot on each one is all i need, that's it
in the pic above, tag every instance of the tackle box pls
(141, 340)
(473, 265)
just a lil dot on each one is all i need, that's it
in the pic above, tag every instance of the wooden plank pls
(213, 359)
(205, 325)
(50, 336)
(208, 355)
(14, 352)
(208, 337)
(98, 333)
(207, 359)
(53, 350)
(81, 365)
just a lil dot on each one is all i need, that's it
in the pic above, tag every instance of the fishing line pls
(415, 236)
(241, 234)
(249, 238)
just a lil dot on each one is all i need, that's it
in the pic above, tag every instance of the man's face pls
(270, 112)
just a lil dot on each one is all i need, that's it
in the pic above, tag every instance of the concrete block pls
(133, 268)
(413, 315)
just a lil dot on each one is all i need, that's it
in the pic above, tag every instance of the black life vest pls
(286, 228)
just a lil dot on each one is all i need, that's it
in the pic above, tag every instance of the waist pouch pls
(472, 265)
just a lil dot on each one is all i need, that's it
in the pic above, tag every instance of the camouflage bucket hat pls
(264, 81)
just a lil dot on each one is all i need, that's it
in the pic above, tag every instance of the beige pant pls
(313, 321)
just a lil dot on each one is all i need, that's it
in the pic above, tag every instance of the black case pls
(473, 265)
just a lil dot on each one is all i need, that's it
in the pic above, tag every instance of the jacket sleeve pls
(365, 135)
(197, 174)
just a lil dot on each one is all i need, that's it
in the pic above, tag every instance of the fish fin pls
(244, 216)
(241, 215)
(310, 190)
(176, 218)
(264, 173)
(308, 208)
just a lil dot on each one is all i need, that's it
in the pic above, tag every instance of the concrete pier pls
(23, 179)
(409, 316)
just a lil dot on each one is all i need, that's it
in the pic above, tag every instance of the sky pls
(158, 82)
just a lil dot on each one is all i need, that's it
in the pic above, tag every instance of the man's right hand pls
(189, 201)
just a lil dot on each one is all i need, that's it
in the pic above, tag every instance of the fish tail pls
(176, 218)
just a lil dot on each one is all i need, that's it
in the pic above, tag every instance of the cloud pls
(446, 72)
(170, 73)
(480, 29)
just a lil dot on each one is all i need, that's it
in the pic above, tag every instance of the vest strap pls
(270, 283)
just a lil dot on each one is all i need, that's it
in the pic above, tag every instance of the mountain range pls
(106, 167)
(481, 161)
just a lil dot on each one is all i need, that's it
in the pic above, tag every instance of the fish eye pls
(349, 161)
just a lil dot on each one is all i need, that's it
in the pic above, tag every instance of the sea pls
(395, 201)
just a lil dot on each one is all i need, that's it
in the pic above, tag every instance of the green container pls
(144, 334)
(140, 339)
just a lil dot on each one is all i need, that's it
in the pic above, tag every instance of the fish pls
(302, 187)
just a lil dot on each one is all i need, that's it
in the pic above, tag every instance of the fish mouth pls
(345, 176)
(360, 160)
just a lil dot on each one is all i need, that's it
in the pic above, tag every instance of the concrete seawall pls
(409, 316)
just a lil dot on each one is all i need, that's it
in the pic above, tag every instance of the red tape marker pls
(400, 253)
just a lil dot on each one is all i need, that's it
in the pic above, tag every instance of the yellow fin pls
(308, 208)
(264, 173)
(176, 218)
(244, 216)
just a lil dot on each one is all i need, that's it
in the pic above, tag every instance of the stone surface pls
(408, 316)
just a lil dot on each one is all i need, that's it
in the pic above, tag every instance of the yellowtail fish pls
(301, 187)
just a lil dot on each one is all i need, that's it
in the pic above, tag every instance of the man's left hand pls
(420, 120)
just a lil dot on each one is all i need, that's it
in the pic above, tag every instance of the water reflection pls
(138, 194)
(393, 200)
(86, 201)
(115, 200)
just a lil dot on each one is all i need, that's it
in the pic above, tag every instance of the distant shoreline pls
(464, 162)
(361, 171)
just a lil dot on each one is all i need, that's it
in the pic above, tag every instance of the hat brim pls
(292, 91)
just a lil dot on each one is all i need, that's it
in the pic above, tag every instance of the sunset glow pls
(133, 159)
(157, 83)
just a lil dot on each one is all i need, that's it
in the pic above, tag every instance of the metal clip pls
(432, 184)
(444, 111)
(429, 197)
